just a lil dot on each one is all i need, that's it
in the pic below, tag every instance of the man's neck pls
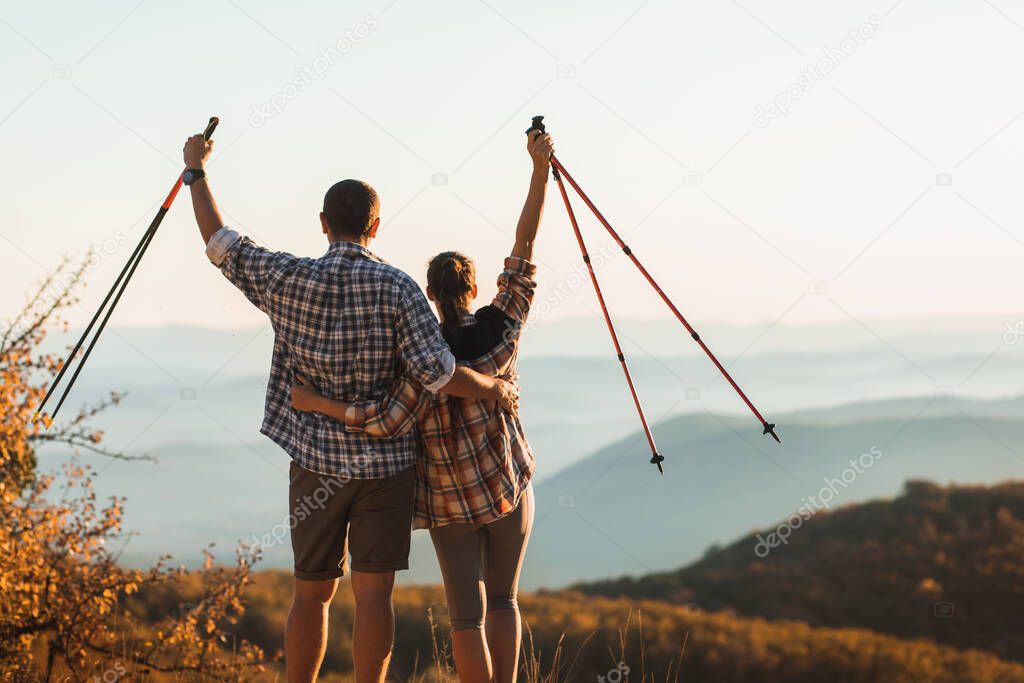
(363, 242)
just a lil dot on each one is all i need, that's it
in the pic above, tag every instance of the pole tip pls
(769, 428)
(40, 416)
(657, 459)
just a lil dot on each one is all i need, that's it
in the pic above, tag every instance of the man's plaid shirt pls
(477, 461)
(352, 324)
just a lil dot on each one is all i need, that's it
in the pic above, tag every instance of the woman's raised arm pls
(541, 147)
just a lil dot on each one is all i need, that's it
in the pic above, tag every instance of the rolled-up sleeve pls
(423, 352)
(516, 286)
(447, 360)
(218, 246)
(397, 414)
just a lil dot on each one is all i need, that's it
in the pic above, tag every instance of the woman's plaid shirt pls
(477, 461)
(352, 324)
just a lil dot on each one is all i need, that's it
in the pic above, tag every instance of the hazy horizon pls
(949, 318)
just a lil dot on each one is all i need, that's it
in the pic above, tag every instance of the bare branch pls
(89, 443)
(61, 296)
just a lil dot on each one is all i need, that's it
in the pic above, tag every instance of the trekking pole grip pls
(537, 124)
(210, 127)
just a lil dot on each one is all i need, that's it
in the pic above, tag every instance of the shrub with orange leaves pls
(65, 612)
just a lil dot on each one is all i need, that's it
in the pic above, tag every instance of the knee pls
(502, 602)
(371, 586)
(472, 623)
(314, 593)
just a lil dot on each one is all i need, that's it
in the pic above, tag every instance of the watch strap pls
(192, 174)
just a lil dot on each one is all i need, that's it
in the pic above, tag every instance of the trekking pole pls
(116, 290)
(558, 169)
(656, 458)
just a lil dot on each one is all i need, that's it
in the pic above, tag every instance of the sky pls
(767, 161)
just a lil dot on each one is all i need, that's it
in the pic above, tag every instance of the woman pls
(473, 483)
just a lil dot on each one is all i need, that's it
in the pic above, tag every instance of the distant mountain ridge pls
(722, 478)
(937, 408)
(662, 337)
(604, 515)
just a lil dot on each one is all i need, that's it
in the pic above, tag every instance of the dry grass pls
(558, 667)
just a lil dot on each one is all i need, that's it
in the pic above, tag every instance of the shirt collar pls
(352, 249)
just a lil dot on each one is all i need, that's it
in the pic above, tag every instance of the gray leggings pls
(480, 563)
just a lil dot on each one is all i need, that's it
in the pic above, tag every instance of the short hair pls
(351, 207)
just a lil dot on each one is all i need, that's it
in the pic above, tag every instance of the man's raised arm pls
(197, 151)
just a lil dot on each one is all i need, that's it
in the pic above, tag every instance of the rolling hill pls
(942, 563)
(611, 513)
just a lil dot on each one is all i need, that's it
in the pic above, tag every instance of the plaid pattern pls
(352, 324)
(477, 461)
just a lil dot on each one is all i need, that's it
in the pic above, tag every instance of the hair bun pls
(452, 276)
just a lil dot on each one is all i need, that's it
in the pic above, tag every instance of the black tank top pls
(470, 342)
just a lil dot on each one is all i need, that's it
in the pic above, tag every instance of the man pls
(352, 324)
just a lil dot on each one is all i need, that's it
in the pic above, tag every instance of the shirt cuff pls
(355, 418)
(218, 246)
(448, 365)
(520, 266)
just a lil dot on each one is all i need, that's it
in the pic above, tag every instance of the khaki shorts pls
(334, 517)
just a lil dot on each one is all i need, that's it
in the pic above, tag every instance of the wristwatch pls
(192, 174)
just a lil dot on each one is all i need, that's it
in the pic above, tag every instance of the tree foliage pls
(67, 606)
